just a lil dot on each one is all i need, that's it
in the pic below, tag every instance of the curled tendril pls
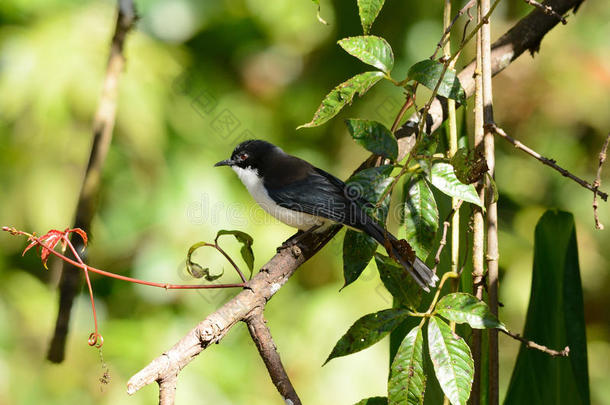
(95, 339)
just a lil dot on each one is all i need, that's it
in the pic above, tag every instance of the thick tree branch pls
(103, 125)
(266, 347)
(526, 34)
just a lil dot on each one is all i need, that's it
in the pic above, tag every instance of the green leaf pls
(374, 401)
(428, 72)
(466, 308)
(420, 215)
(443, 178)
(398, 282)
(366, 186)
(407, 379)
(374, 137)
(358, 250)
(469, 166)
(453, 364)
(317, 3)
(246, 250)
(342, 95)
(367, 331)
(372, 50)
(555, 318)
(195, 269)
(369, 10)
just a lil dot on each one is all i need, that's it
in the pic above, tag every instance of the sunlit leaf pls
(398, 282)
(367, 331)
(452, 361)
(466, 308)
(374, 137)
(372, 50)
(428, 72)
(342, 95)
(369, 10)
(469, 166)
(407, 379)
(443, 177)
(420, 215)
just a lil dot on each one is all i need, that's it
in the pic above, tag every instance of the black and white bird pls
(310, 199)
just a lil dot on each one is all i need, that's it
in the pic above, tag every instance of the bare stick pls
(598, 181)
(478, 242)
(533, 345)
(492, 207)
(446, 225)
(549, 162)
(103, 125)
(548, 10)
(266, 347)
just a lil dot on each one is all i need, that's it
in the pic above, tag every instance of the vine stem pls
(85, 267)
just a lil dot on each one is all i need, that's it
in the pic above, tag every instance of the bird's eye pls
(243, 156)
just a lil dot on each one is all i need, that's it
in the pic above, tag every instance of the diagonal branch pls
(103, 125)
(264, 343)
(549, 162)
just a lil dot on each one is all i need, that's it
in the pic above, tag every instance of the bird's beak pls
(226, 162)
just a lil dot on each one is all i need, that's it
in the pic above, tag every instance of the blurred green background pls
(200, 76)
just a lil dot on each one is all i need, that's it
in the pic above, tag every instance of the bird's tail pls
(400, 251)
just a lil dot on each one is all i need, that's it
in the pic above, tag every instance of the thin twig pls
(548, 10)
(533, 345)
(446, 225)
(266, 347)
(598, 181)
(103, 126)
(446, 34)
(549, 162)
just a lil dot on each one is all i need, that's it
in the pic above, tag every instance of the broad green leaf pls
(374, 401)
(555, 318)
(367, 331)
(369, 10)
(452, 361)
(342, 95)
(428, 72)
(358, 250)
(368, 185)
(372, 50)
(374, 137)
(246, 249)
(420, 215)
(407, 379)
(365, 187)
(466, 308)
(317, 3)
(443, 177)
(398, 282)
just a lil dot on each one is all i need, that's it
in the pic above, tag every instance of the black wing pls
(314, 194)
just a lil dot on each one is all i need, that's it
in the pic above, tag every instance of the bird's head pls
(249, 154)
